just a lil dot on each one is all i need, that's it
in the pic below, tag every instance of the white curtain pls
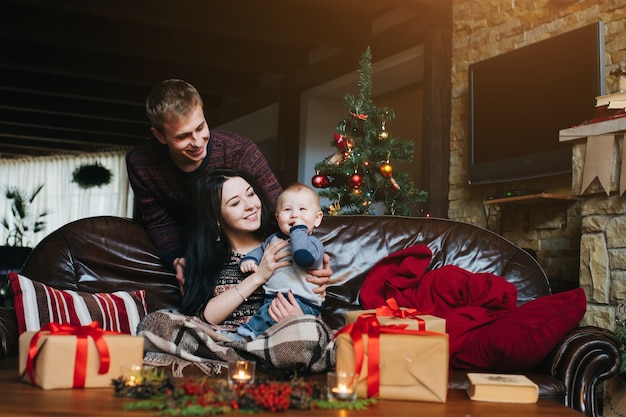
(62, 199)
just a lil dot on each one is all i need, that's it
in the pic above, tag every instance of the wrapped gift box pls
(412, 365)
(391, 315)
(54, 365)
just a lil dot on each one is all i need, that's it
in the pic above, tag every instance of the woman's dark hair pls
(208, 250)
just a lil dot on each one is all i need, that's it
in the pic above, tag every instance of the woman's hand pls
(321, 277)
(282, 308)
(272, 259)
(179, 267)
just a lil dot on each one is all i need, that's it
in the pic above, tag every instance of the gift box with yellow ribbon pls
(392, 314)
(394, 362)
(66, 356)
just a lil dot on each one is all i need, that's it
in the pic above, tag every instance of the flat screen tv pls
(521, 99)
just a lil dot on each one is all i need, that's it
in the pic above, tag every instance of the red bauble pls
(320, 181)
(386, 169)
(355, 180)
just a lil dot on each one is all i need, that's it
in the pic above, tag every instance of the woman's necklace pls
(245, 247)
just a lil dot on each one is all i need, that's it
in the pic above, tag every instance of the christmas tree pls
(360, 173)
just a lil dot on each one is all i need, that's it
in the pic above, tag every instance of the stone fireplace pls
(599, 181)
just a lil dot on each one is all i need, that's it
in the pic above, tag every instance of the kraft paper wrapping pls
(54, 363)
(429, 322)
(412, 367)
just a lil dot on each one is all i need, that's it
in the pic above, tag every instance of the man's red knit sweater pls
(163, 192)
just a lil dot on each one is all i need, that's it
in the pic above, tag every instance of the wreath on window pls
(91, 175)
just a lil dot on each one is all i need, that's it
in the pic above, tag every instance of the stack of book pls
(612, 101)
(609, 107)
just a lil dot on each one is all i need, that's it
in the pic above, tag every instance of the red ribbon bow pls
(368, 324)
(82, 333)
(393, 310)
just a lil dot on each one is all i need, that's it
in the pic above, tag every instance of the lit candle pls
(241, 372)
(342, 392)
(242, 376)
(341, 386)
(133, 375)
(133, 380)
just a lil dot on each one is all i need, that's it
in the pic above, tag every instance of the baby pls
(298, 212)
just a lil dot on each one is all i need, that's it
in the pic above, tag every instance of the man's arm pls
(155, 218)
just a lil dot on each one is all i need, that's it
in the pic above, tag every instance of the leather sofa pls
(105, 254)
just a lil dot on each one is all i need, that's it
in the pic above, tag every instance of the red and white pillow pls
(37, 304)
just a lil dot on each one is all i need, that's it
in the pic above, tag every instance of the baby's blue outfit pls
(307, 252)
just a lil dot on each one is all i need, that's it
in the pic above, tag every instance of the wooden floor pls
(21, 399)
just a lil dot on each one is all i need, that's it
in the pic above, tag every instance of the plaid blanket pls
(302, 345)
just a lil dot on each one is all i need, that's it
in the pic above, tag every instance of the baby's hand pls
(248, 266)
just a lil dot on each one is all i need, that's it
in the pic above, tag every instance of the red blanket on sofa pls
(485, 327)
(466, 300)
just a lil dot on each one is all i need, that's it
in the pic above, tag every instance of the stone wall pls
(486, 28)
(603, 241)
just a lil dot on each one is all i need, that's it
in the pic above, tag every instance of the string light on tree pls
(362, 141)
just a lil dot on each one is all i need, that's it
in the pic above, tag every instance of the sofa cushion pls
(520, 340)
(37, 304)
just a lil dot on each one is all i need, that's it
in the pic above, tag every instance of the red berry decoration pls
(386, 169)
(355, 180)
(320, 181)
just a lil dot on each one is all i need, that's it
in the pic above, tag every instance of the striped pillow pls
(37, 304)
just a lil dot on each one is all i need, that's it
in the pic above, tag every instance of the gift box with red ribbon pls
(66, 356)
(394, 362)
(393, 314)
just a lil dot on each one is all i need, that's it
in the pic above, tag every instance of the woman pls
(230, 219)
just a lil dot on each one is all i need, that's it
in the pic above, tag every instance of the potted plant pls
(20, 225)
(24, 220)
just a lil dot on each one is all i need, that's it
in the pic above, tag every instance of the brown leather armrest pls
(584, 358)
(8, 332)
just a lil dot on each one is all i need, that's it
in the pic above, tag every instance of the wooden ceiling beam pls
(72, 122)
(104, 68)
(304, 23)
(45, 134)
(96, 34)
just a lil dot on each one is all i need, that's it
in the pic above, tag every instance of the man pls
(163, 169)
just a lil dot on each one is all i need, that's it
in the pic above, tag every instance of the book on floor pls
(506, 388)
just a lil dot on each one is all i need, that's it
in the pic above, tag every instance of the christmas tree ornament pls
(320, 181)
(340, 140)
(336, 158)
(360, 116)
(334, 209)
(356, 180)
(394, 183)
(382, 133)
(386, 169)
